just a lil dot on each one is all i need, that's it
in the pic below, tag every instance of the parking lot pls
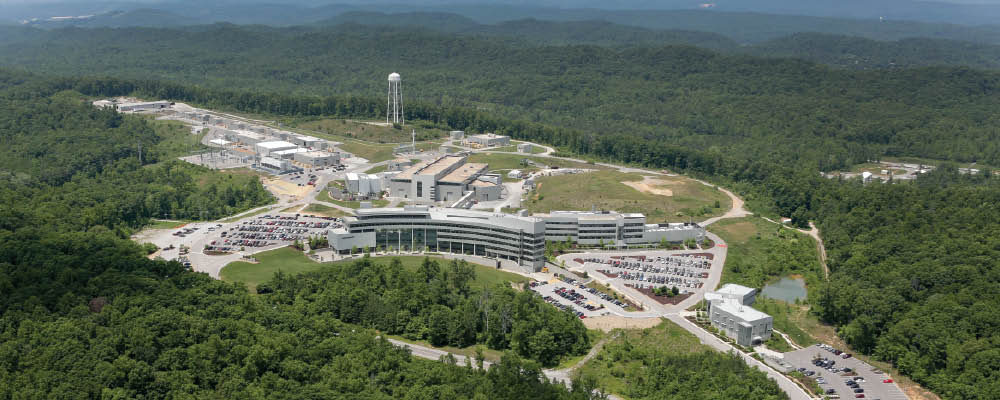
(574, 295)
(842, 374)
(268, 230)
(686, 272)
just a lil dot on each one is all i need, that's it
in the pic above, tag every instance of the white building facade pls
(730, 311)
(480, 233)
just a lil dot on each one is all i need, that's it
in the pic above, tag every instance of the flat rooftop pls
(317, 154)
(745, 313)
(483, 183)
(671, 227)
(509, 221)
(290, 151)
(487, 136)
(277, 144)
(249, 134)
(442, 164)
(429, 167)
(464, 173)
(308, 138)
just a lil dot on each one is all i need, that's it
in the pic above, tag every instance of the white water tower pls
(394, 103)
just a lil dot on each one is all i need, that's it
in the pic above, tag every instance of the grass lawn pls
(614, 360)
(605, 190)
(370, 133)
(291, 261)
(326, 211)
(177, 139)
(161, 224)
(761, 251)
(378, 168)
(498, 161)
(258, 212)
(285, 259)
(325, 196)
(370, 151)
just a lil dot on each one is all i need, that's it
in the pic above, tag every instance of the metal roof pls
(464, 173)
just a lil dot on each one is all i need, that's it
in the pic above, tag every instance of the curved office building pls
(447, 230)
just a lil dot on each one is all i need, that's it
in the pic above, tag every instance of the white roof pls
(509, 221)
(352, 176)
(308, 138)
(270, 161)
(220, 142)
(745, 313)
(734, 289)
(290, 151)
(317, 154)
(277, 144)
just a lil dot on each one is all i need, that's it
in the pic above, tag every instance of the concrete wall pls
(450, 192)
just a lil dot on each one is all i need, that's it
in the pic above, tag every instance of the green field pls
(615, 360)
(504, 161)
(176, 137)
(605, 191)
(291, 261)
(161, 224)
(761, 251)
(258, 212)
(371, 133)
(786, 319)
(326, 211)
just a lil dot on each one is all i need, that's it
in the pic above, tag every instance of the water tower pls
(394, 103)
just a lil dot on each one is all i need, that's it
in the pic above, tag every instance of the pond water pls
(787, 289)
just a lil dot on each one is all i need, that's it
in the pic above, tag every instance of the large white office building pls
(730, 311)
(614, 229)
(481, 233)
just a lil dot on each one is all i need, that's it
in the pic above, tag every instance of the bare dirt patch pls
(280, 187)
(651, 185)
(607, 323)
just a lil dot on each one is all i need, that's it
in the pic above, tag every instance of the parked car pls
(887, 381)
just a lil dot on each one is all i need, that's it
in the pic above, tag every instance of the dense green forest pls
(916, 277)
(861, 53)
(793, 112)
(436, 303)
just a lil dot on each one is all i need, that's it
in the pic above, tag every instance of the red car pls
(887, 381)
(859, 396)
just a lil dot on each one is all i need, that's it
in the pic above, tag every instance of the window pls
(420, 189)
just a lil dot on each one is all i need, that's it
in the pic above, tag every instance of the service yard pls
(859, 381)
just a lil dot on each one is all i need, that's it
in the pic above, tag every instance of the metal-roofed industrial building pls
(317, 158)
(445, 178)
(730, 311)
(485, 234)
(265, 148)
(488, 140)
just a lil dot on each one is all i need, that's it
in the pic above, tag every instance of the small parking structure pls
(860, 380)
